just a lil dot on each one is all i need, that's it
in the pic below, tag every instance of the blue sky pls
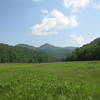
(58, 22)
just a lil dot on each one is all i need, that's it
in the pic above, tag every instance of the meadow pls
(50, 81)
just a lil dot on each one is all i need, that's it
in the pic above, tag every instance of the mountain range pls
(50, 49)
(23, 53)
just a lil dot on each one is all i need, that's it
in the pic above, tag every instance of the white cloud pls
(75, 5)
(97, 6)
(55, 21)
(77, 39)
(45, 11)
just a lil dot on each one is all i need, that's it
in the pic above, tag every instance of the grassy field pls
(50, 81)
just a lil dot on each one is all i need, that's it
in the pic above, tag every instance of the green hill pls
(51, 50)
(22, 55)
(57, 51)
(89, 51)
(96, 42)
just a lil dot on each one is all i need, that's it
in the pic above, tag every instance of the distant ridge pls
(23, 53)
(51, 49)
(26, 46)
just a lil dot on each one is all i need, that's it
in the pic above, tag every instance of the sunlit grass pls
(50, 81)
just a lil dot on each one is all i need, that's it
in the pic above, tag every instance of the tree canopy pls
(22, 55)
(90, 51)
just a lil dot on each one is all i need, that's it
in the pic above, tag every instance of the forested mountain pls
(57, 51)
(90, 51)
(22, 54)
(50, 49)
(26, 46)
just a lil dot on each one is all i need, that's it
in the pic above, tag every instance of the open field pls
(50, 81)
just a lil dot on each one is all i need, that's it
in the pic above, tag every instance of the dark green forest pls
(87, 52)
(20, 54)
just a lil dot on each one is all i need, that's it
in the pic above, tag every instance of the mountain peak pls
(46, 45)
(50, 49)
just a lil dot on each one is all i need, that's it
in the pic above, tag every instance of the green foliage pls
(96, 42)
(87, 52)
(58, 52)
(22, 54)
(50, 81)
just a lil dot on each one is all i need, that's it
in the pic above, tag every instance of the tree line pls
(18, 54)
(87, 52)
(22, 55)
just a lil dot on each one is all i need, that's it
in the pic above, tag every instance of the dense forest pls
(87, 52)
(25, 54)
(22, 55)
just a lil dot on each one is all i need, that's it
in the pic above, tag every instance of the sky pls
(58, 22)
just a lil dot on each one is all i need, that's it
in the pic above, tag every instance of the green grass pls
(50, 81)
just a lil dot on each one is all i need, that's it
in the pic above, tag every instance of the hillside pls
(89, 51)
(48, 53)
(51, 50)
(26, 46)
(22, 55)
(96, 42)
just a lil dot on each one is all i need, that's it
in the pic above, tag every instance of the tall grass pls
(50, 81)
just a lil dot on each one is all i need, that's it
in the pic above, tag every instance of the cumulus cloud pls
(77, 39)
(75, 5)
(56, 20)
